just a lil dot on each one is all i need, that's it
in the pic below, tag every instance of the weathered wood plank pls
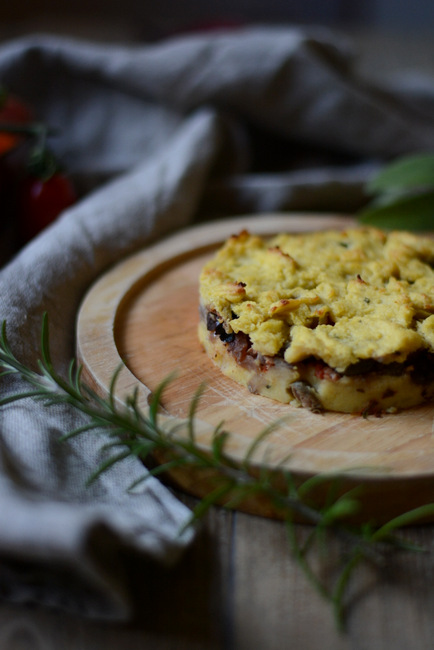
(275, 606)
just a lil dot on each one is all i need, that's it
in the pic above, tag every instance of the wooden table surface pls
(238, 587)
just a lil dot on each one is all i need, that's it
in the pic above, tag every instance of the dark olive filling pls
(419, 365)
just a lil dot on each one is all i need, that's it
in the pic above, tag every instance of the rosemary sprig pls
(135, 433)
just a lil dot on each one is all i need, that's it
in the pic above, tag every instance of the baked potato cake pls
(331, 320)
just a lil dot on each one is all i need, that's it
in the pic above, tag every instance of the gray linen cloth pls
(158, 136)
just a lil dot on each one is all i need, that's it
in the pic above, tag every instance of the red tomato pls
(12, 111)
(322, 371)
(41, 202)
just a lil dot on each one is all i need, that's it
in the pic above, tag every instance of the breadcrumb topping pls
(339, 296)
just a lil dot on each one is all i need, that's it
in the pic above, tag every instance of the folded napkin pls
(157, 137)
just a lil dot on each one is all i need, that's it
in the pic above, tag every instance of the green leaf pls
(78, 431)
(212, 498)
(218, 443)
(74, 375)
(315, 481)
(155, 401)
(112, 387)
(106, 465)
(4, 343)
(40, 393)
(341, 509)
(267, 431)
(406, 519)
(416, 171)
(45, 342)
(408, 213)
(192, 411)
(342, 585)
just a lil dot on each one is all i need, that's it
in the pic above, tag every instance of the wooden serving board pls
(143, 314)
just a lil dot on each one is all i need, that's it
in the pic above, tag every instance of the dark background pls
(146, 19)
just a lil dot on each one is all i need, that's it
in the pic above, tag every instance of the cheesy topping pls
(339, 296)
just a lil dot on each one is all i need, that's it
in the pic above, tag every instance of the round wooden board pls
(143, 314)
